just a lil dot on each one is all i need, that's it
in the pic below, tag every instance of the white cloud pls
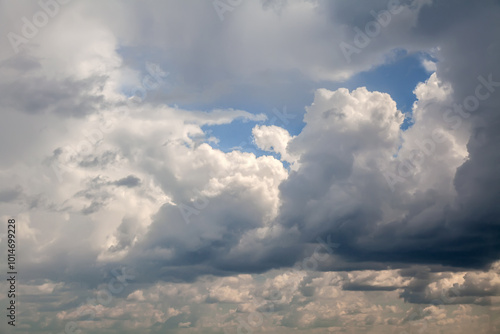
(429, 65)
(273, 139)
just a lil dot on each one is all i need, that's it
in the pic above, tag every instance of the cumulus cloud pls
(98, 177)
(274, 139)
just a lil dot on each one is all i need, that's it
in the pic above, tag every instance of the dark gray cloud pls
(461, 235)
(64, 98)
(443, 288)
(9, 195)
(130, 181)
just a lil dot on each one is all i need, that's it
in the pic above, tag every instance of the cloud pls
(97, 179)
(274, 139)
(9, 195)
(383, 194)
(130, 181)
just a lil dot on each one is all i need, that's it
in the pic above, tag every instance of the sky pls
(250, 166)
